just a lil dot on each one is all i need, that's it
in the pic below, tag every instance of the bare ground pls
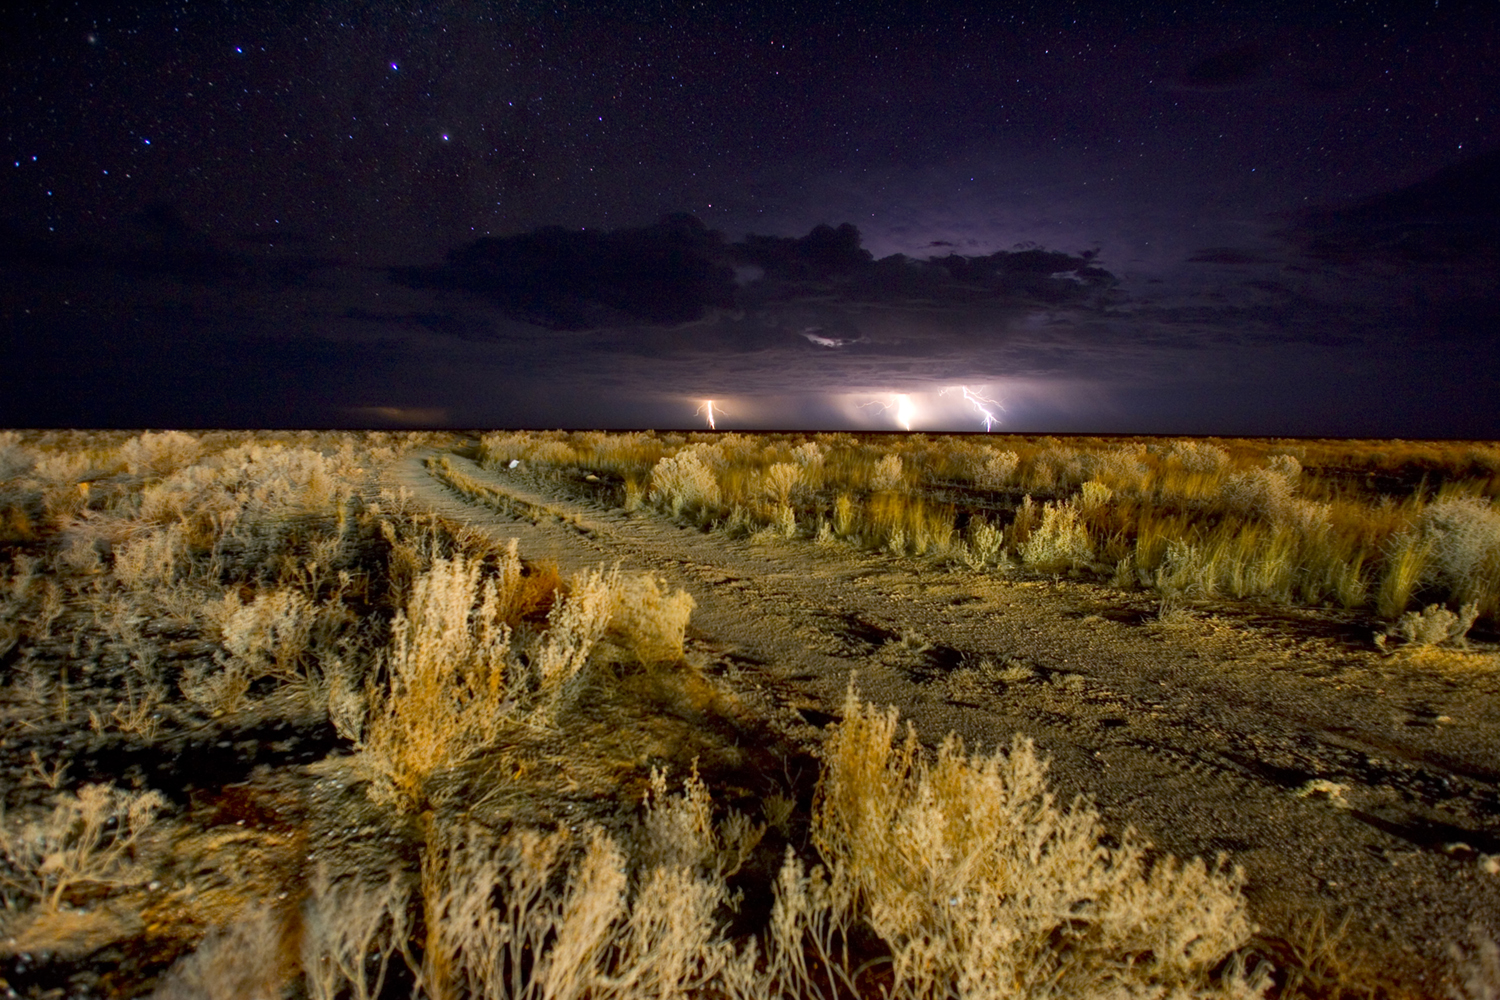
(1346, 781)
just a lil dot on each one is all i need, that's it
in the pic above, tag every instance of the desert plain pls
(359, 714)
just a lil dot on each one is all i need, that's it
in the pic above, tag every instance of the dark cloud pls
(587, 279)
(1227, 255)
(1449, 219)
(679, 271)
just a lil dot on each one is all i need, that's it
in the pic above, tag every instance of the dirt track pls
(1343, 780)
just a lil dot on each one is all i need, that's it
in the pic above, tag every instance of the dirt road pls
(1343, 780)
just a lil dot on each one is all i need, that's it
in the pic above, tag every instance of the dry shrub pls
(15, 458)
(350, 933)
(540, 586)
(678, 831)
(554, 453)
(844, 512)
(271, 633)
(240, 961)
(574, 626)
(981, 886)
(809, 455)
(447, 665)
(1018, 532)
(1464, 561)
(1260, 493)
(501, 449)
(90, 837)
(1435, 625)
(780, 481)
(530, 916)
(63, 467)
(159, 455)
(897, 520)
(152, 559)
(683, 483)
(992, 469)
(1092, 497)
(984, 542)
(218, 688)
(1056, 469)
(454, 679)
(544, 448)
(1406, 562)
(887, 474)
(960, 875)
(650, 619)
(1119, 468)
(1060, 542)
(1192, 469)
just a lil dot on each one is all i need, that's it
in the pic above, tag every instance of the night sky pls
(1212, 218)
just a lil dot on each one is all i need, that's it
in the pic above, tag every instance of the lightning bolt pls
(707, 409)
(980, 403)
(901, 403)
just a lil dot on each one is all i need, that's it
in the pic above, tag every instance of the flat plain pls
(275, 704)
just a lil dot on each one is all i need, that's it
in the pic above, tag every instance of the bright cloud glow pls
(950, 408)
(972, 406)
(899, 405)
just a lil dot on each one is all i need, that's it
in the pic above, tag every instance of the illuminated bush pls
(650, 618)
(682, 482)
(1257, 493)
(1463, 538)
(159, 454)
(887, 474)
(1060, 542)
(1118, 468)
(781, 480)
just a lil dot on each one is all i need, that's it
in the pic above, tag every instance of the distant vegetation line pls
(1408, 531)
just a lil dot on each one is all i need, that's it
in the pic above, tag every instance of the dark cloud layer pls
(1451, 219)
(678, 271)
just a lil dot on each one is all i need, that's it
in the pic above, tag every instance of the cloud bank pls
(1373, 318)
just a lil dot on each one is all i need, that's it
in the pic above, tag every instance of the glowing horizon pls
(950, 408)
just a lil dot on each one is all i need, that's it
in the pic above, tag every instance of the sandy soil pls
(1345, 780)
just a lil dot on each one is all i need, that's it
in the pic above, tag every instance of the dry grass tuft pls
(89, 838)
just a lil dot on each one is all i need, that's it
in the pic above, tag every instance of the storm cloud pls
(679, 271)
(1371, 317)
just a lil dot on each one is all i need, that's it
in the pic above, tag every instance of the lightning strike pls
(980, 403)
(707, 409)
(901, 403)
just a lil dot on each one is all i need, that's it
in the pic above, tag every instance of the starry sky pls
(1199, 217)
